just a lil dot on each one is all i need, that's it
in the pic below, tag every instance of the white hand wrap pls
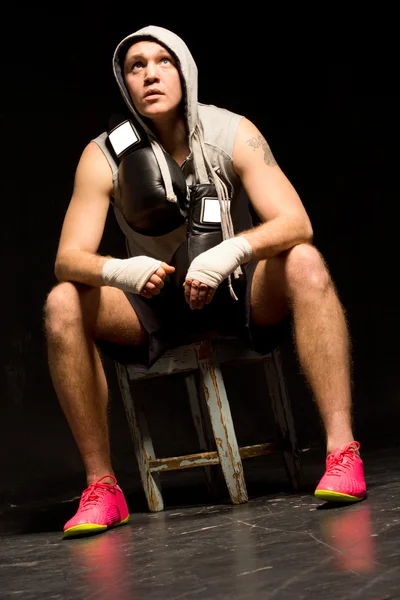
(215, 265)
(129, 274)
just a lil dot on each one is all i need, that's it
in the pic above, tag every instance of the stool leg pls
(221, 421)
(283, 417)
(204, 435)
(141, 440)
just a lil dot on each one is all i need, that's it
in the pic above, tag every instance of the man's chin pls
(158, 115)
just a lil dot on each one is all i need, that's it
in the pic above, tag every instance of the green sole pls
(336, 496)
(90, 528)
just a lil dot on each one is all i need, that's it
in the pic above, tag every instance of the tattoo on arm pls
(260, 142)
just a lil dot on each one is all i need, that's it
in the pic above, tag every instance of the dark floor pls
(280, 545)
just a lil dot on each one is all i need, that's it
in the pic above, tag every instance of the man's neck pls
(173, 137)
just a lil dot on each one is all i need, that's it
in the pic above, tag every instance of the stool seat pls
(211, 416)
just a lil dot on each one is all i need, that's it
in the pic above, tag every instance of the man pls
(138, 303)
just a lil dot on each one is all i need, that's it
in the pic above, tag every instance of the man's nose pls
(151, 73)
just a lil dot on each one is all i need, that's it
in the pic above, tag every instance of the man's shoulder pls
(100, 139)
(219, 125)
(209, 110)
(101, 142)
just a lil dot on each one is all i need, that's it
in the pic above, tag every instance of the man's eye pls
(165, 60)
(137, 65)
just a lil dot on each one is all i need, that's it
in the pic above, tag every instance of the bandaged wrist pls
(129, 274)
(215, 265)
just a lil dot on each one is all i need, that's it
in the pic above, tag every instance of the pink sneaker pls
(344, 476)
(102, 506)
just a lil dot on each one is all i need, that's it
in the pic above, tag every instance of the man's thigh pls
(115, 320)
(268, 297)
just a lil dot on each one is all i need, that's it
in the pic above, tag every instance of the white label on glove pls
(211, 210)
(122, 137)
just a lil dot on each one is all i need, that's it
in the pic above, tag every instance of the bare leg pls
(75, 316)
(299, 281)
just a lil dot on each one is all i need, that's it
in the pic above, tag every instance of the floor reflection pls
(105, 562)
(348, 531)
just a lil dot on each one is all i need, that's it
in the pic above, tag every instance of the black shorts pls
(170, 322)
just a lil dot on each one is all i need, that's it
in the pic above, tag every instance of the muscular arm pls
(77, 258)
(285, 222)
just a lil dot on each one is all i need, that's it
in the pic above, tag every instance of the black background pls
(320, 87)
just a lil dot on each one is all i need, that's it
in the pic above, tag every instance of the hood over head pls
(186, 65)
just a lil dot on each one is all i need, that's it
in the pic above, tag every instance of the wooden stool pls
(215, 429)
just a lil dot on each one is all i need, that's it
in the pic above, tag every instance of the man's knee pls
(65, 307)
(306, 270)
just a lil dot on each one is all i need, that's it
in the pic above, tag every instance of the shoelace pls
(95, 492)
(336, 463)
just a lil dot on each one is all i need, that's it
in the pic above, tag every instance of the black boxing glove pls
(142, 197)
(203, 232)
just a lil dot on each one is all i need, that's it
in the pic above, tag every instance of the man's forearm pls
(80, 266)
(271, 238)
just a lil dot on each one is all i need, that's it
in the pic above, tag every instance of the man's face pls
(152, 79)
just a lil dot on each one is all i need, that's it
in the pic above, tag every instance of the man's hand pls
(210, 268)
(140, 274)
(197, 294)
(156, 282)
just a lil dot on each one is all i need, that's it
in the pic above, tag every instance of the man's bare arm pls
(77, 258)
(285, 222)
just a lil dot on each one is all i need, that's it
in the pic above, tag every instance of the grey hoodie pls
(211, 137)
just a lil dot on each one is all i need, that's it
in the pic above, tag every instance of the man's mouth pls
(150, 93)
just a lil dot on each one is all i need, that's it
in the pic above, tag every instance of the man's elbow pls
(308, 233)
(58, 270)
(301, 228)
(60, 267)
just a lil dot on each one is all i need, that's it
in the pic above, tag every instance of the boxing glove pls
(203, 232)
(142, 197)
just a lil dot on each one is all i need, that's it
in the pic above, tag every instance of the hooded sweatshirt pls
(212, 132)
